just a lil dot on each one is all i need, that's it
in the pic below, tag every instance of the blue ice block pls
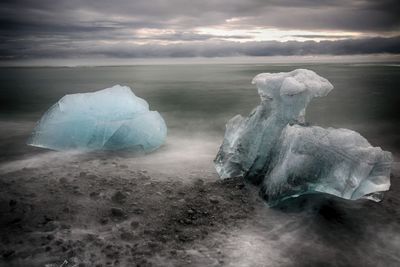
(110, 119)
(274, 148)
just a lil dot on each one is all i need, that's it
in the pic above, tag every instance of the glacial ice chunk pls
(109, 119)
(273, 147)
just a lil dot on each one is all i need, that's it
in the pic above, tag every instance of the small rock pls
(65, 226)
(213, 199)
(66, 210)
(77, 192)
(117, 212)
(24, 254)
(153, 245)
(51, 226)
(8, 253)
(16, 220)
(103, 221)
(94, 194)
(202, 189)
(119, 197)
(47, 219)
(147, 232)
(127, 236)
(70, 253)
(240, 186)
(163, 238)
(134, 224)
(138, 211)
(90, 237)
(183, 238)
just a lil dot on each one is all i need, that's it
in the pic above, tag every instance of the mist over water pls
(196, 101)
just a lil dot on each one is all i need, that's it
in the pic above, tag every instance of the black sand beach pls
(80, 210)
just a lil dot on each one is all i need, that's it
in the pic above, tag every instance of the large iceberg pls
(110, 119)
(275, 148)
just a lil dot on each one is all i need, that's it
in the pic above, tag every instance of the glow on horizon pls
(274, 34)
(242, 34)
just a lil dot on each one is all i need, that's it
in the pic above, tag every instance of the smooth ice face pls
(272, 148)
(248, 141)
(109, 119)
(339, 162)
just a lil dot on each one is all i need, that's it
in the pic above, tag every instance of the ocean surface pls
(197, 100)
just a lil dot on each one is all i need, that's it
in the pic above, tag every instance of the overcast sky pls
(42, 29)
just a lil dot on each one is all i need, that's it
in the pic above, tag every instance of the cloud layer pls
(179, 28)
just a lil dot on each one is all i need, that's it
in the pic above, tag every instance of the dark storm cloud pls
(35, 28)
(364, 15)
(266, 48)
(201, 49)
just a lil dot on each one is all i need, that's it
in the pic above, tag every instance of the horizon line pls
(116, 62)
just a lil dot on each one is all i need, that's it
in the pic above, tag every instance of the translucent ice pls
(110, 119)
(272, 147)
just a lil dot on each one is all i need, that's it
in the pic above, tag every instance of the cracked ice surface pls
(110, 119)
(273, 147)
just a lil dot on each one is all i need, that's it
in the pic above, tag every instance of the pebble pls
(12, 202)
(94, 194)
(8, 253)
(103, 221)
(134, 224)
(118, 197)
(213, 200)
(117, 212)
(138, 211)
(127, 236)
(49, 227)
